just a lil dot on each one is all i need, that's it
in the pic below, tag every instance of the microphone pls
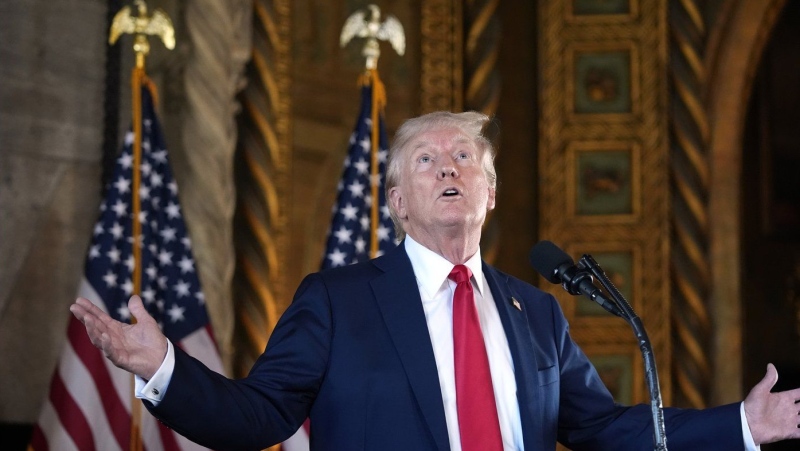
(557, 267)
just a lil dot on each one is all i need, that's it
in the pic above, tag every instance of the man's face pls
(443, 187)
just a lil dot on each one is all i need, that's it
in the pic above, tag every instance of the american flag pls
(350, 233)
(351, 226)
(89, 405)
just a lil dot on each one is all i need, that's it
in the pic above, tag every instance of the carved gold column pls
(481, 48)
(263, 164)
(689, 130)
(220, 45)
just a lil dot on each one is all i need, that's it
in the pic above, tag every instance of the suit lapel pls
(398, 298)
(523, 353)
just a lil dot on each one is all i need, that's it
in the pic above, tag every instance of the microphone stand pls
(651, 374)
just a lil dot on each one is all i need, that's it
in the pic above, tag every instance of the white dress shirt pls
(436, 292)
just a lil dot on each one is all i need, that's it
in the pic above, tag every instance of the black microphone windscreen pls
(546, 257)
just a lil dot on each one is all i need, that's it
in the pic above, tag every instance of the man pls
(382, 355)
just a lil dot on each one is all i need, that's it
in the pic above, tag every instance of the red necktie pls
(477, 411)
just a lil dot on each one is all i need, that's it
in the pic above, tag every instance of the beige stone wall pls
(52, 69)
(51, 116)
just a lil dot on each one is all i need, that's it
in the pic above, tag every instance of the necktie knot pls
(460, 273)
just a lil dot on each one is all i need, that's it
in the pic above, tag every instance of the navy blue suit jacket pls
(353, 353)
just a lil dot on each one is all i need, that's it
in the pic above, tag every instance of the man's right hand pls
(137, 348)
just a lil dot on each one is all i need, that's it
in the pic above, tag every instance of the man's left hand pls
(772, 416)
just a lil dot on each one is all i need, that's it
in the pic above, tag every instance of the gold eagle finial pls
(373, 30)
(159, 24)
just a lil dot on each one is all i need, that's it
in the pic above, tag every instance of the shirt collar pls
(431, 269)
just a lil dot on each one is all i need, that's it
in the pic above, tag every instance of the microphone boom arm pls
(651, 373)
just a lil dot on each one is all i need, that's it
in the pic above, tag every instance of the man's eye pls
(425, 159)
(463, 156)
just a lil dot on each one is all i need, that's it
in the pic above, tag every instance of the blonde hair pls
(470, 122)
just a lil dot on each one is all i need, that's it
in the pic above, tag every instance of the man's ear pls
(490, 204)
(398, 202)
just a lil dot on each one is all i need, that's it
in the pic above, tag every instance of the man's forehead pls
(438, 136)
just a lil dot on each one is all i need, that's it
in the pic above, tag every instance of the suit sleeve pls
(269, 404)
(589, 419)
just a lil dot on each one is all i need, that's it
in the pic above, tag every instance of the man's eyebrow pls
(460, 138)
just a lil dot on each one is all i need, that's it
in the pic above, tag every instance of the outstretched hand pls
(138, 348)
(772, 416)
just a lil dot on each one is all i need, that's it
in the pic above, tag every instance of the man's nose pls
(447, 171)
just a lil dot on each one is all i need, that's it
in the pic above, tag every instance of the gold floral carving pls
(262, 179)
(440, 70)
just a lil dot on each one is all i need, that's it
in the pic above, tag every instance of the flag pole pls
(137, 77)
(358, 25)
(142, 25)
(378, 104)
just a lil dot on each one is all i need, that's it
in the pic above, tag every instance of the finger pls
(105, 341)
(771, 370)
(79, 312)
(81, 307)
(86, 304)
(769, 380)
(106, 345)
(87, 307)
(136, 307)
(95, 333)
(785, 411)
(100, 316)
(794, 395)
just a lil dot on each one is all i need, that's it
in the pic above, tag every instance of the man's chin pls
(460, 226)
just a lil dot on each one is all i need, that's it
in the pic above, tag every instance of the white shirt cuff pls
(154, 389)
(749, 443)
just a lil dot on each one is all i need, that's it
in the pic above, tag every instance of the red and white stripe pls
(89, 406)
(299, 441)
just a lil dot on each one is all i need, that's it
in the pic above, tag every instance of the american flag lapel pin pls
(516, 303)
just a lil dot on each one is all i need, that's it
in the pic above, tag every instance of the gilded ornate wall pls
(581, 91)
(603, 169)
